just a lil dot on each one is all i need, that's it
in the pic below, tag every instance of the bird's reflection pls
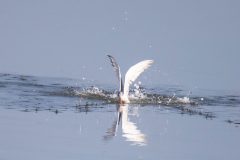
(129, 129)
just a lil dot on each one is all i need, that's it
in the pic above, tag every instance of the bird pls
(131, 75)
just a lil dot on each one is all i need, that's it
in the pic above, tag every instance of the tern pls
(131, 75)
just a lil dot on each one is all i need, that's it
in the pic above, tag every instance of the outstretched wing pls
(133, 73)
(116, 68)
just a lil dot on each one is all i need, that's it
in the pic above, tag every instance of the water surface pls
(57, 118)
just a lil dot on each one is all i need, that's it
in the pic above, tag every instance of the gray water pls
(59, 118)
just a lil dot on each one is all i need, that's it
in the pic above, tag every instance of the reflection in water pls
(129, 129)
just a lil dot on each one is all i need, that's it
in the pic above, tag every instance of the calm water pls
(56, 118)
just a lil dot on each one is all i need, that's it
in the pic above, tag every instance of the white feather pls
(117, 70)
(133, 73)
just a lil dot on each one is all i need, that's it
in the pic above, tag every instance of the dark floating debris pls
(56, 111)
(236, 122)
(192, 111)
(88, 107)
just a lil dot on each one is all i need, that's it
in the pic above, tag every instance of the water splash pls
(137, 95)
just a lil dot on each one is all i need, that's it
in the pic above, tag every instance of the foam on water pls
(138, 95)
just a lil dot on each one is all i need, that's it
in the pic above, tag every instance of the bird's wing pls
(133, 73)
(116, 68)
